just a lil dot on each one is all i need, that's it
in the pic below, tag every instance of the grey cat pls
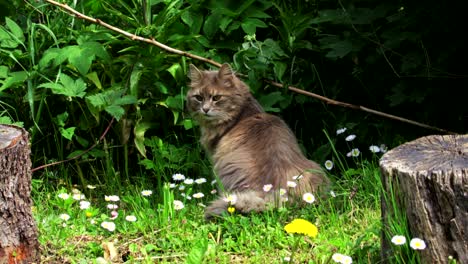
(252, 151)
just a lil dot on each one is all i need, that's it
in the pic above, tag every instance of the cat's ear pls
(225, 71)
(195, 74)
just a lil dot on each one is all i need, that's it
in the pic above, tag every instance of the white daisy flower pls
(178, 177)
(350, 137)
(341, 130)
(291, 184)
(178, 205)
(417, 244)
(267, 187)
(398, 240)
(329, 164)
(198, 195)
(374, 149)
(308, 198)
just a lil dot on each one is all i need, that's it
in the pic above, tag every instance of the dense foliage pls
(65, 79)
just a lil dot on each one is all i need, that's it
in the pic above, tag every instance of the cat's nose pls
(205, 109)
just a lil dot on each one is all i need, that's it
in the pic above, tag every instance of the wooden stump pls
(429, 180)
(18, 231)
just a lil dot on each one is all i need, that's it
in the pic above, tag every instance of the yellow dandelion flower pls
(231, 209)
(301, 226)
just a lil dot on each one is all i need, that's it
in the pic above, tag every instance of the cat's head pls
(215, 97)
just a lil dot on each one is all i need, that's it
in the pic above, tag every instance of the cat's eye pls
(199, 98)
(216, 98)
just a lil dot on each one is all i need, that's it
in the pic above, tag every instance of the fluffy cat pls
(249, 148)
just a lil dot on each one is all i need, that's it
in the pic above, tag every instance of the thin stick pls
(152, 41)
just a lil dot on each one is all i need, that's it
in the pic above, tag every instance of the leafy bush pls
(65, 79)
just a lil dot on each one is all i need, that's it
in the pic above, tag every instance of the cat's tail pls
(238, 202)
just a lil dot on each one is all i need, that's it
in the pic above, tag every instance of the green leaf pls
(250, 25)
(279, 68)
(194, 21)
(211, 25)
(15, 29)
(92, 76)
(72, 88)
(267, 101)
(68, 132)
(61, 119)
(80, 59)
(197, 252)
(139, 132)
(3, 71)
(50, 55)
(115, 111)
(13, 79)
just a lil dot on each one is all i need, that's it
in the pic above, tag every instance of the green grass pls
(348, 223)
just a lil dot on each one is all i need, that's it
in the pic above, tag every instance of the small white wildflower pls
(130, 218)
(337, 257)
(200, 180)
(92, 221)
(146, 192)
(287, 259)
(78, 196)
(64, 196)
(347, 260)
(111, 198)
(182, 187)
(178, 205)
(110, 226)
(64, 217)
(298, 177)
(374, 149)
(172, 185)
(91, 187)
(308, 198)
(267, 187)
(291, 184)
(84, 205)
(398, 240)
(231, 199)
(198, 195)
(214, 191)
(417, 244)
(355, 152)
(112, 206)
(213, 182)
(329, 164)
(341, 130)
(332, 193)
(282, 191)
(350, 137)
(178, 177)
(349, 154)
(188, 181)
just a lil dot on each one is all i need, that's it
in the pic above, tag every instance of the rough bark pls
(429, 180)
(18, 231)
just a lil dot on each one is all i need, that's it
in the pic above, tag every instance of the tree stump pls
(18, 231)
(428, 178)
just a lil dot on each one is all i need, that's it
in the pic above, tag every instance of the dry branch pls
(152, 41)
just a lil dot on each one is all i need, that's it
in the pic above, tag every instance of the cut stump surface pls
(429, 180)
